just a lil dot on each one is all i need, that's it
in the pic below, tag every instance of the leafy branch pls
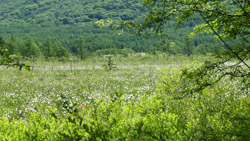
(11, 60)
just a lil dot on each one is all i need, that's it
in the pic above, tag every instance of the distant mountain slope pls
(62, 12)
(68, 20)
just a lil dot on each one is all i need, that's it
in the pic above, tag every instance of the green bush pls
(219, 112)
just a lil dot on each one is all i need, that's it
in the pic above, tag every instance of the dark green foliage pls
(188, 48)
(67, 12)
(80, 49)
(1, 41)
(30, 49)
(66, 21)
(53, 48)
(110, 63)
(113, 51)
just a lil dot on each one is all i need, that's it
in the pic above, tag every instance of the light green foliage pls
(126, 104)
(230, 14)
(10, 60)
(197, 101)
(228, 20)
(219, 111)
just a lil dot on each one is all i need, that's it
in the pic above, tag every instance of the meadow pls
(82, 81)
(135, 100)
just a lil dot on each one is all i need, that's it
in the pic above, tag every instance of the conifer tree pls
(81, 49)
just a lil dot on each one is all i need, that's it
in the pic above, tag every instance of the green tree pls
(81, 50)
(47, 48)
(188, 48)
(12, 45)
(228, 20)
(31, 49)
(10, 60)
(201, 49)
(59, 51)
(1, 41)
(170, 47)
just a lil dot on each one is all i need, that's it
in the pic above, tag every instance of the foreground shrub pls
(174, 112)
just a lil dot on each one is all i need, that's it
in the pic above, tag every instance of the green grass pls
(22, 90)
(136, 101)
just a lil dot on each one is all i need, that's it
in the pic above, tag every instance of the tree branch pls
(227, 46)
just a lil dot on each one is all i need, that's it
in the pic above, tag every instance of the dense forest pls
(60, 29)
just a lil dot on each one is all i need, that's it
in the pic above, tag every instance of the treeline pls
(52, 49)
(89, 40)
(60, 29)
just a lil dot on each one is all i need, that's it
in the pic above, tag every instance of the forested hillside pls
(60, 28)
(64, 12)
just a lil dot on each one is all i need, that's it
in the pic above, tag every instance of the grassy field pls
(81, 81)
(22, 90)
(135, 100)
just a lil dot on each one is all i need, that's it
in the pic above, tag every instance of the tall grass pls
(140, 100)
